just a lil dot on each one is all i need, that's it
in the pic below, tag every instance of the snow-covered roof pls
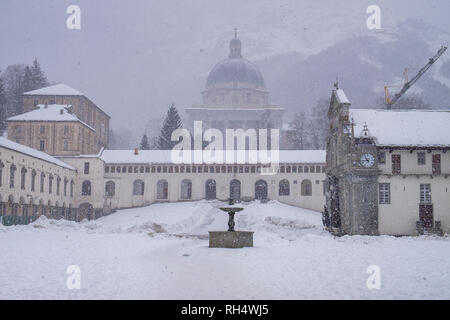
(166, 156)
(404, 127)
(234, 108)
(51, 112)
(342, 98)
(8, 144)
(60, 89)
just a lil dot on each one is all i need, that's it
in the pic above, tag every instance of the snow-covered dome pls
(235, 71)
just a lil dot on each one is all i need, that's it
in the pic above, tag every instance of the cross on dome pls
(235, 46)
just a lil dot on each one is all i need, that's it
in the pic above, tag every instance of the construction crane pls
(386, 90)
(413, 80)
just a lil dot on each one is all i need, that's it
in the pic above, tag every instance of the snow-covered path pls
(161, 252)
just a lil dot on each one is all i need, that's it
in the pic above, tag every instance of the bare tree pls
(411, 101)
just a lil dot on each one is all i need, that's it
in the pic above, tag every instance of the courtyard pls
(161, 252)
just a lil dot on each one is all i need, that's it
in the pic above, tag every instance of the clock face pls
(367, 160)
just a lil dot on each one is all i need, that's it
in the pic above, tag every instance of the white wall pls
(400, 216)
(124, 187)
(95, 176)
(36, 197)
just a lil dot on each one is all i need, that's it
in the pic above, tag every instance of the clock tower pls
(352, 173)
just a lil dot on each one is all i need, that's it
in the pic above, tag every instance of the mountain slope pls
(364, 64)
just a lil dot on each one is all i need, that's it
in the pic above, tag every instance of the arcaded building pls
(33, 183)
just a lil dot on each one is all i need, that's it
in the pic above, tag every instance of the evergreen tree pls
(2, 106)
(112, 139)
(17, 79)
(153, 143)
(38, 78)
(14, 85)
(171, 123)
(297, 140)
(28, 84)
(145, 145)
(318, 127)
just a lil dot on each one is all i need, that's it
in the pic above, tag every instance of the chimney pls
(61, 111)
(136, 151)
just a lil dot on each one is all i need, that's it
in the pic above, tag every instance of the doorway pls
(210, 189)
(261, 190)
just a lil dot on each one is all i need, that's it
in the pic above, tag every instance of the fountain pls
(230, 238)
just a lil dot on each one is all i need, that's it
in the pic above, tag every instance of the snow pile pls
(282, 222)
(198, 218)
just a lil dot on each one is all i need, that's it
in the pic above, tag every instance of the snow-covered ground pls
(161, 252)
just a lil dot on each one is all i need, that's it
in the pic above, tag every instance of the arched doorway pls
(261, 190)
(235, 190)
(186, 189)
(162, 190)
(210, 189)
(85, 211)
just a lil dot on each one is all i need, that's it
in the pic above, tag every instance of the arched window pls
(186, 189)
(110, 189)
(283, 189)
(71, 188)
(138, 187)
(86, 188)
(1, 172)
(50, 183)
(23, 174)
(210, 189)
(306, 188)
(261, 190)
(58, 185)
(162, 191)
(65, 186)
(12, 171)
(235, 189)
(33, 180)
(42, 182)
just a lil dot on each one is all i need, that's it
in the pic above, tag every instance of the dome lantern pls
(235, 47)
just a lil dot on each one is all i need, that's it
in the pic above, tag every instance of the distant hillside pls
(364, 64)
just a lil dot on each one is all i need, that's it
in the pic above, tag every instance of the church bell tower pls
(352, 187)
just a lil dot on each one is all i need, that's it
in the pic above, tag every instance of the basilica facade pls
(235, 96)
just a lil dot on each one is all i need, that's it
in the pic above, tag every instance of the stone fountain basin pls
(231, 209)
(230, 239)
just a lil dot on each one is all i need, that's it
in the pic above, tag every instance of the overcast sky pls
(129, 55)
